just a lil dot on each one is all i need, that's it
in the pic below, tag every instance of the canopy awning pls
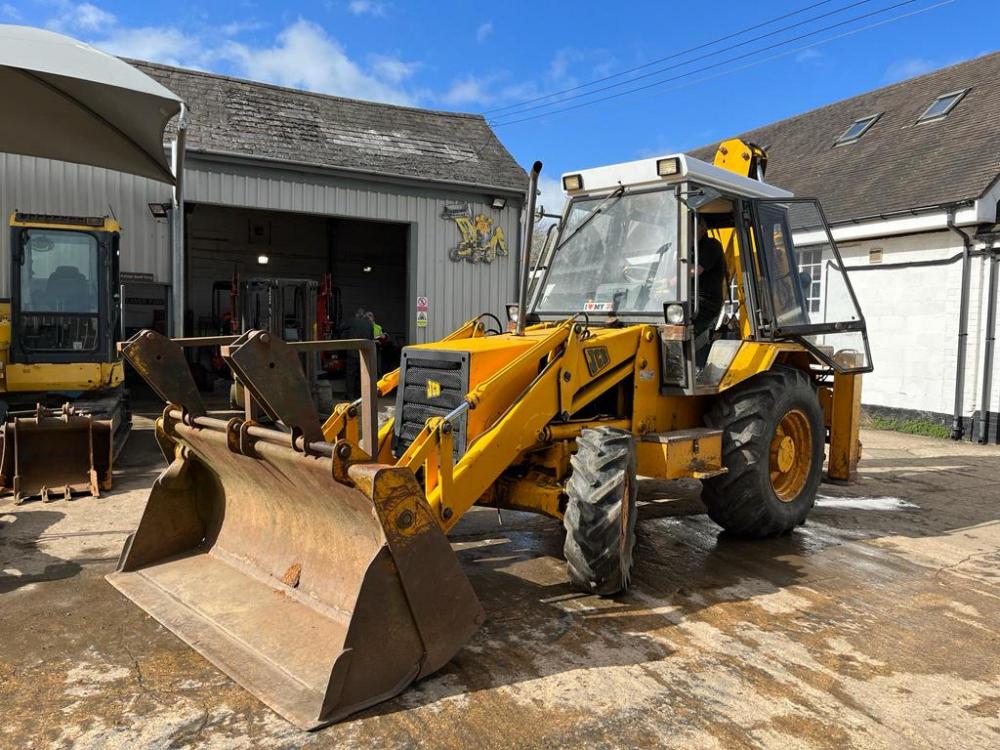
(66, 100)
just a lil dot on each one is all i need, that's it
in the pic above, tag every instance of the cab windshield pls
(58, 291)
(615, 254)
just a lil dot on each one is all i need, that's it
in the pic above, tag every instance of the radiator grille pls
(432, 384)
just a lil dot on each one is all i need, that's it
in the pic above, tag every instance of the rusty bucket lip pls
(303, 697)
(137, 592)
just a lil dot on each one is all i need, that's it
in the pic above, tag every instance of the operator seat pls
(68, 289)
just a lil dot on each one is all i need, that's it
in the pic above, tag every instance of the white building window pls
(811, 262)
(942, 105)
(857, 129)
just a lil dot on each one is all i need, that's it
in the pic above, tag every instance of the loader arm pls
(561, 388)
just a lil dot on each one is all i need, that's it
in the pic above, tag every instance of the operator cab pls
(626, 251)
(65, 298)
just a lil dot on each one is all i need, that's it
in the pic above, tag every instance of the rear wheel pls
(600, 513)
(772, 445)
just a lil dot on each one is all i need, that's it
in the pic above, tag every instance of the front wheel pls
(600, 513)
(772, 445)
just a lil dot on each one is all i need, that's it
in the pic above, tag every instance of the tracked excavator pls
(63, 412)
(310, 560)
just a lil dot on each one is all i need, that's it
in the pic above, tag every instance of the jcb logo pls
(433, 389)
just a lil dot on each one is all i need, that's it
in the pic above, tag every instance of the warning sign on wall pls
(421, 319)
(421, 304)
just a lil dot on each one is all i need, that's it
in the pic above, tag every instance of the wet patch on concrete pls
(875, 625)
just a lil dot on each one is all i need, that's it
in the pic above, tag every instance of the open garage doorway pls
(341, 263)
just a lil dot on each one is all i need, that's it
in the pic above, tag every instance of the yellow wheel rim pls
(791, 455)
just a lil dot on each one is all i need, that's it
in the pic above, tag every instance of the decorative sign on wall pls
(481, 241)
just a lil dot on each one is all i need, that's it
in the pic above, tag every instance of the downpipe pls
(178, 292)
(957, 430)
(991, 327)
(529, 226)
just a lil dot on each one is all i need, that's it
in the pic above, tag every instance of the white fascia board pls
(929, 222)
(642, 173)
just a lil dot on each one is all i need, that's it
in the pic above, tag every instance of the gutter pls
(957, 430)
(919, 210)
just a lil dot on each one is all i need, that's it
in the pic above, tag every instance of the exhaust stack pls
(529, 226)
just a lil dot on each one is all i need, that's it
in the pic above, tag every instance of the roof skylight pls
(942, 105)
(857, 129)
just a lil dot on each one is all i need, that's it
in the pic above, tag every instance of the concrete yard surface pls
(876, 625)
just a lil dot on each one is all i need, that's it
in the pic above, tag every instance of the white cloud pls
(809, 54)
(302, 55)
(469, 90)
(561, 62)
(910, 67)
(392, 69)
(484, 31)
(235, 28)
(495, 88)
(165, 45)
(9, 13)
(366, 7)
(72, 18)
(305, 56)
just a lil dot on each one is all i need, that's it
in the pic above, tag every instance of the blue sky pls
(481, 57)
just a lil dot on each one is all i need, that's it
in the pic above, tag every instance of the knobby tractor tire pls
(600, 513)
(772, 444)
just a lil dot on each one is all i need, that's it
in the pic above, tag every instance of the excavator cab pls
(64, 289)
(66, 415)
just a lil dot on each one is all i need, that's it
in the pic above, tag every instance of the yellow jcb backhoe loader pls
(310, 561)
(64, 412)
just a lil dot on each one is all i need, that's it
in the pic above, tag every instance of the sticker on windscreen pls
(599, 307)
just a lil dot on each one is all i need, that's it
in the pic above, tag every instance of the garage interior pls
(367, 262)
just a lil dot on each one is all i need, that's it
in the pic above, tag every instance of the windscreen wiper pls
(606, 203)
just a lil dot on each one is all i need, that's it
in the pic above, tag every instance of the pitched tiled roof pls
(258, 119)
(898, 164)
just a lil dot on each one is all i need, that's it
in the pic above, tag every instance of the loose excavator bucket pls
(55, 452)
(321, 586)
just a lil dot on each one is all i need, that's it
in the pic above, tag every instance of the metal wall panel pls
(456, 290)
(53, 187)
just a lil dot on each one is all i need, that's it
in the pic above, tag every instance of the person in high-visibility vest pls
(380, 339)
(377, 331)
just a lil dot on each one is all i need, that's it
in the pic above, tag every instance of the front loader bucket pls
(56, 453)
(319, 596)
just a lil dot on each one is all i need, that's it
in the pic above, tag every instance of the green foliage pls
(914, 426)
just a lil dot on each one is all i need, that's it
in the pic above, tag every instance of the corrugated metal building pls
(285, 183)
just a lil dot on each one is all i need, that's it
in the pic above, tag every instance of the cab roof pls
(644, 173)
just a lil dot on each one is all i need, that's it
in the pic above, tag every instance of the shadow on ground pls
(21, 560)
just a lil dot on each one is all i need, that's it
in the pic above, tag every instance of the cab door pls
(806, 294)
